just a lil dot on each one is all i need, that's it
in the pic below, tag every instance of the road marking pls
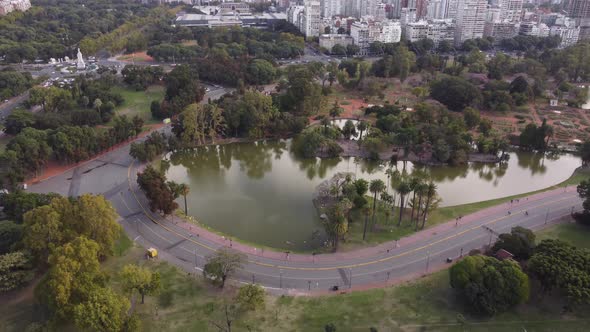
(356, 265)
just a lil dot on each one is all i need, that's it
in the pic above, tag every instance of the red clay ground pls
(137, 56)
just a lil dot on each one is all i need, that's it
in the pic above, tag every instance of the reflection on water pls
(261, 192)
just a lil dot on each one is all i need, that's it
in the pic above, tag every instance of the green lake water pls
(262, 193)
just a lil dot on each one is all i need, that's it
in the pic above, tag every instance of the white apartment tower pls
(331, 8)
(471, 15)
(510, 10)
(311, 18)
(434, 10)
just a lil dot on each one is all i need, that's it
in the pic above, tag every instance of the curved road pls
(114, 175)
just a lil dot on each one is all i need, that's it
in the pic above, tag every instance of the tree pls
(74, 274)
(377, 186)
(488, 285)
(352, 49)
(49, 226)
(520, 242)
(157, 190)
(403, 189)
(17, 203)
(519, 85)
(337, 223)
(31, 149)
(17, 121)
(455, 92)
(349, 129)
(584, 193)
(485, 126)
(140, 279)
(251, 297)
(584, 151)
(11, 234)
(104, 310)
(471, 117)
(184, 190)
(332, 70)
(557, 264)
(222, 264)
(335, 110)
(260, 72)
(361, 126)
(16, 270)
(338, 50)
(430, 201)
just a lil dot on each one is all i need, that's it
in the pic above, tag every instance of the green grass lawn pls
(138, 102)
(576, 234)
(187, 303)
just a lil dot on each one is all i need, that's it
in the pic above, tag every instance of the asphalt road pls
(114, 175)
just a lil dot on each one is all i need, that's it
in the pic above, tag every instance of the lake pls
(261, 192)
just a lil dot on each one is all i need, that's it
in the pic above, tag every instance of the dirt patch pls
(137, 56)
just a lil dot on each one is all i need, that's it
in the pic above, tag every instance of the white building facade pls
(470, 22)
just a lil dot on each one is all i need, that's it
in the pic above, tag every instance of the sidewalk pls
(201, 232)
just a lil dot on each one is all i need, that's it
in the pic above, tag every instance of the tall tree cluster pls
(488, 285)
(159, 192)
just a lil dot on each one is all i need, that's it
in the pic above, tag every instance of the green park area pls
(138, 102)
(187, 303)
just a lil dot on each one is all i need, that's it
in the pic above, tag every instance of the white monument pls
(80, 63)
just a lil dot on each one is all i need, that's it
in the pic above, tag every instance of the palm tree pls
(422, 190)
(184, 189)
(366, 212)
(403, 189)
(376, 186)
(430, 196)
(386, 199)
(549, 132)
(393, 182)
(340, 228)
(414, 183)
(361, 127)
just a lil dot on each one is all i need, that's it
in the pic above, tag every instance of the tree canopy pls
(489, 286)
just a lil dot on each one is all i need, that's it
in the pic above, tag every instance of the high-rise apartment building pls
(510, 10)
(580, 11)
(331, 8)
(434, 9)
(311, 18)
(471, 15)
(578, 8)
